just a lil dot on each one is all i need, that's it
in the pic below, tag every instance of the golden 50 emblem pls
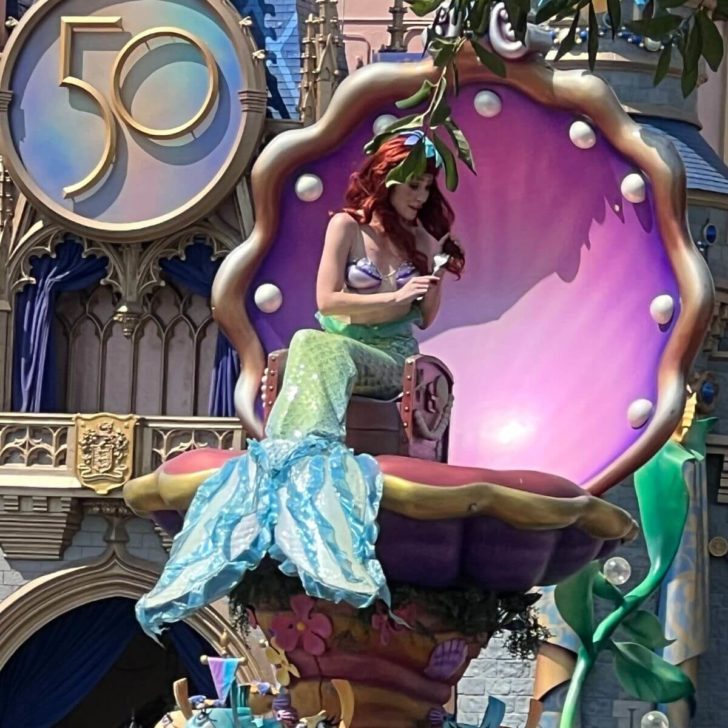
(129, 120)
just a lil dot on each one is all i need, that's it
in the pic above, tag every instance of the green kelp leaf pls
(423, 7)
(518, 16)
(648, 677)
(460, 142)
(614, 8)
(547, 10)
(604, 589)
(440, 108)
(655, 28)
(645, 629)
(569, 40)
(663, 502)
(419, 96)
(721, 10)
(663, 64)
(712, 49)
(442, 51)
(448, 160)
(574, 599)
(414, 121)
(412, 166)
(691, 57)
(489, 59)
(593, 37)
(479, 16)
(696, 436)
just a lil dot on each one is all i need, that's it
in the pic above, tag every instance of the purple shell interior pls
(548, 333)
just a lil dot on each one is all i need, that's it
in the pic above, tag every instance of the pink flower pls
(302, 625)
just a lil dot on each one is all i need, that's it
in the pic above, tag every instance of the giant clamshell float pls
(569, 339)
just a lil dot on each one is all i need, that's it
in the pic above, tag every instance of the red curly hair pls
(367, 194)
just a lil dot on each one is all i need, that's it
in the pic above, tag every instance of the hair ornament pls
(417, 135)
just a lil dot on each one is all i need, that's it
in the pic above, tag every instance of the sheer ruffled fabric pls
(311, 504)
(300, 496)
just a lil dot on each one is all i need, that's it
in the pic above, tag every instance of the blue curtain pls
(63, 662)
(190, 646)
(196, 272)
(35, 381)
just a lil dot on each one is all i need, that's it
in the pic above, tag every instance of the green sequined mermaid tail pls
(300, 495)
(324, 368)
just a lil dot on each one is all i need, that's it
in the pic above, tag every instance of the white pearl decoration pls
(488, 104)
(617, 570)
(582, 135)
(639, 412)
(382, 122)
(268, 297)
(309, 187)
(662, 309)
(633, 188)
(654, 719)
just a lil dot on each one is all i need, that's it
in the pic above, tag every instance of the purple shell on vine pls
(446, 659)
(437, 717)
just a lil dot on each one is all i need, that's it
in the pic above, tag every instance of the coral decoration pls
(284, 669)
(447, 659)
(385, 625)
(284, 710)
(302, 626)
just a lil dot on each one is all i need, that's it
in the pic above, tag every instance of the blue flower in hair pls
(412, 137)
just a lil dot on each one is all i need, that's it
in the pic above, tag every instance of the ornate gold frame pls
(576, 91)
(252, 100)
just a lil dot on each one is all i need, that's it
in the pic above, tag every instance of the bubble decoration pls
(268, 297)
(639, 412)
(309, 188)
(662, 309)
(617, 570)
(633, 188)
(654, 719)
(488, 104)
(382, 122)
(582, 135)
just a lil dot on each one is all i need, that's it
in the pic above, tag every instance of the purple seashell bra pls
(363, 275)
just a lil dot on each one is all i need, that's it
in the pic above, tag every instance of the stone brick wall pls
(88, 543)
(498, 674)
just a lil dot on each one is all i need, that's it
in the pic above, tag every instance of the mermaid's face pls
(408, 199)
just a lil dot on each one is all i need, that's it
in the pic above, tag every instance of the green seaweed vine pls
(663, 501)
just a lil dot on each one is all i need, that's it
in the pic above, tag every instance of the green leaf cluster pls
(640, 672)
(693, 34)
(629, 632)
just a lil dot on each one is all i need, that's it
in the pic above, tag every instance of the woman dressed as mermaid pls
(300, 495)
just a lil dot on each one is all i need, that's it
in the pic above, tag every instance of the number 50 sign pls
(138, 119)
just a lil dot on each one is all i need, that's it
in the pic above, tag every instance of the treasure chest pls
(415, 423)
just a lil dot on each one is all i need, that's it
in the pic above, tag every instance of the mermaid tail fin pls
(309, 503)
